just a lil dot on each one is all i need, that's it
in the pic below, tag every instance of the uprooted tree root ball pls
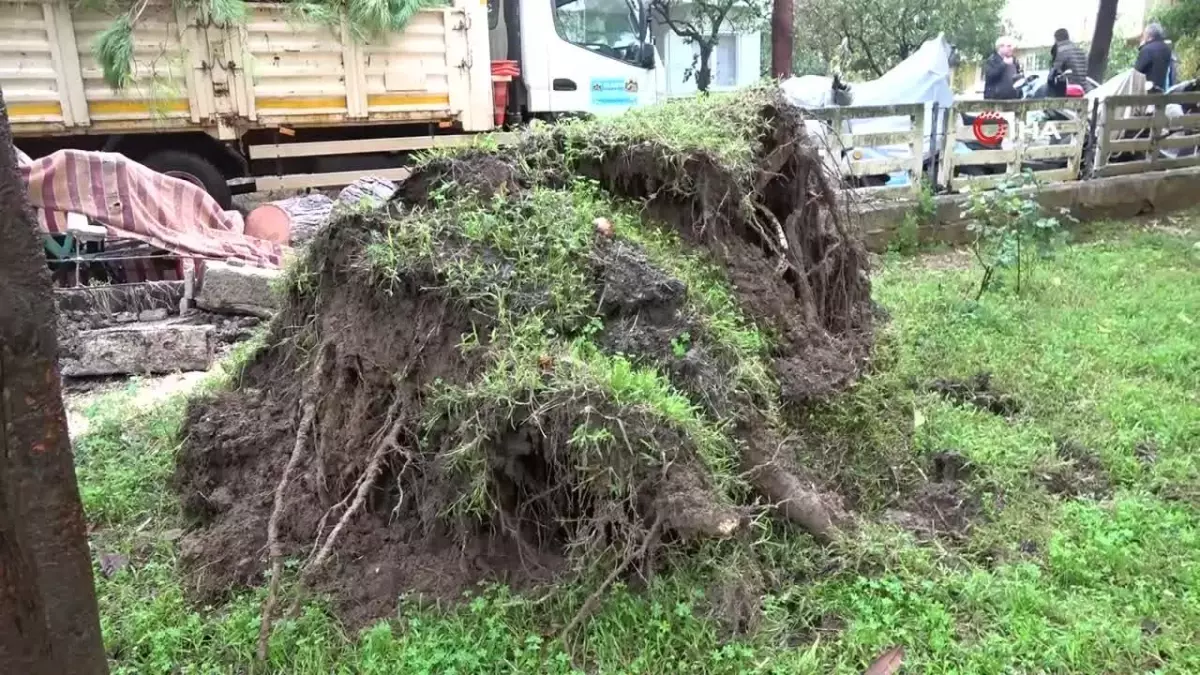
(583, 349)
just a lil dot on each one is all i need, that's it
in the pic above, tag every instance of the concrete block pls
(141, 348)
(232, 289)
(1057, 196)
(115, 299)
(1176, 189)
(1117, 197)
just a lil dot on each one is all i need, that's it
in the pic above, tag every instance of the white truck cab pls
(576, 56)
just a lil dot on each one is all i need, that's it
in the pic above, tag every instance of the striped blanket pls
(134, 202)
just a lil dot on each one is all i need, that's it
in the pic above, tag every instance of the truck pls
(276, 102)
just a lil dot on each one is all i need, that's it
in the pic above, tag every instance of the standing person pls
(1068, 57)
(1000, 72)
(1154, 57)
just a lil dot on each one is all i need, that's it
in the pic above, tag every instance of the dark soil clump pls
(507, 374)
(979, 392)
(1077, 472)
(944, 507)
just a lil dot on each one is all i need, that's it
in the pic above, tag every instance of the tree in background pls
(1106, 20)
(700, 23)
(1181, 20)
(868, 37)
(49, 622)
(783, 37)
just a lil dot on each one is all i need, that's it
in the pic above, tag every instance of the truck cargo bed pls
(272, 70)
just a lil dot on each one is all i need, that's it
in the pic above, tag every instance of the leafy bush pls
(1010, 229)
(907, 240)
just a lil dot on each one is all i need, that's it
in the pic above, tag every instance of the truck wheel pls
(194, 169)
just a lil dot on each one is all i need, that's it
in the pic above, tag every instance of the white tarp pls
(924, 77)
(1128, 83)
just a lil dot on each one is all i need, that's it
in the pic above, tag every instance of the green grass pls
(726, 127)
(1104, 350)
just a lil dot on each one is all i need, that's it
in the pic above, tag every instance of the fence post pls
(1103, 149)
(1087, 165)
(934, 157)
(1017, 133)
(1158, 123)
(1078, 141)
(950, 140)
(916, 144)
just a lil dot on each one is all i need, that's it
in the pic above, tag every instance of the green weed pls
(1010, 229)
(726, 126)
(907, 239)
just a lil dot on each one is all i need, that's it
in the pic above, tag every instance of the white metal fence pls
(1058, 139)
(848, 147)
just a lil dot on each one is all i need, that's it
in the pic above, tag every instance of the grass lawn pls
(1082, 561)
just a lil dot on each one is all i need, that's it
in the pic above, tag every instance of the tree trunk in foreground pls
(1106, 19)
(49, 622)
(783, 21)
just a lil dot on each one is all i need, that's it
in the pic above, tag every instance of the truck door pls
(590, 56)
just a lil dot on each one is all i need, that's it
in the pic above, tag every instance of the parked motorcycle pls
(1032, 86)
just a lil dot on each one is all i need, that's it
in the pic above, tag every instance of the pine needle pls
(367, 19)
(114, 51)
(226, 12)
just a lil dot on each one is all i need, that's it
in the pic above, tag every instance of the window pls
(1038, 60)
(724, 61)
(606, 27)
(725, 55)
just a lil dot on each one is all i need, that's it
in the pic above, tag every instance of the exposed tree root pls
(820, 515)
(593, 600)
(512, 391)
(688, 508)
(307, 419)
(385, 447)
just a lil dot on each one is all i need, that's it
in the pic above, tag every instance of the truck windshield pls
(614, 28)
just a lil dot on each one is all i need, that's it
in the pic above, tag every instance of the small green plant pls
(681, 344)
(1010, 229)
(907, 240)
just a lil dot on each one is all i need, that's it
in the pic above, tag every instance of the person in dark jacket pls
(1000, 71)
(1067, 56)
(1154, 57)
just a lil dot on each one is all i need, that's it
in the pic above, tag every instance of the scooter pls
(1030, 87)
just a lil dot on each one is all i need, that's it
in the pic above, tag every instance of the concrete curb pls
(1088, 200)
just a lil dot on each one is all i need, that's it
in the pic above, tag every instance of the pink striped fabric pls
(134, 202)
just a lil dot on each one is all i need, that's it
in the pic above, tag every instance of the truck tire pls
(194, 169)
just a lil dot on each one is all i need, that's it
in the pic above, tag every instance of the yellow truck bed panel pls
(272, 70)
